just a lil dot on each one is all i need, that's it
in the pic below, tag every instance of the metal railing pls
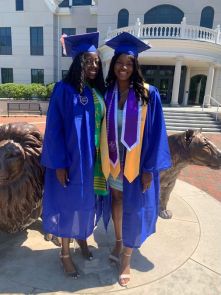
(207, 102)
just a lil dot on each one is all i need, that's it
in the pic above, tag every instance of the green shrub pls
(50, 89)
(25, 91)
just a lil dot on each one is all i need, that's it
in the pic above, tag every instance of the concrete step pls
(189, 119)
(183, 128)
(180, 120)
(195, 115)
(193, 125)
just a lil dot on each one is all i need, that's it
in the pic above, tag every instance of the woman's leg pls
(84, 249)
(117, 213)
(124, 272)
(65, 256)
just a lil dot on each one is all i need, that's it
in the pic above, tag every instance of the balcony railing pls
(170, 31)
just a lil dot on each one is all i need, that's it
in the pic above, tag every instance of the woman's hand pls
(146, 179)
(62, 176)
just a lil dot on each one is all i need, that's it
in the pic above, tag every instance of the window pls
(81, 2)
(207, 16)
(64, 3)
(19, 5)
(37, 76)
(36, 41)
(123, 18)
(164, 14)
(91, 30)
(7, 75)
(5, 41)
(68, 31)
(64, 73)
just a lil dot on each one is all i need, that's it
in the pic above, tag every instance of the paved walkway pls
(182, 258)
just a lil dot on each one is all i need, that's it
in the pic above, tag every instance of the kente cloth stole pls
(134, 117)
(100, 186)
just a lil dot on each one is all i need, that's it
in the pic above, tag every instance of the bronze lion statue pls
(191, 147)
(21, 176)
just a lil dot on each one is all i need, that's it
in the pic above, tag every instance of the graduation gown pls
(140, 210)
(69, 143)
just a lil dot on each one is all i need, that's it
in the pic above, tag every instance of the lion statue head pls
(21, 176)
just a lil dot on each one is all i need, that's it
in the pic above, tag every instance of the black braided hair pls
(76, 76)
(136, 78)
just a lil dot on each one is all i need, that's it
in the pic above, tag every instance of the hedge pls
(26, 91)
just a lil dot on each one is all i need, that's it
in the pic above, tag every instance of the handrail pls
(170, 31)
(208, 103)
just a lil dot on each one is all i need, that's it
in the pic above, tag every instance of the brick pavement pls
(204, 178)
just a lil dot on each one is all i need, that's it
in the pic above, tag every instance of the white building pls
(184, 61)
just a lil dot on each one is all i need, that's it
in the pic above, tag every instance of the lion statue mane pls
(21, 176)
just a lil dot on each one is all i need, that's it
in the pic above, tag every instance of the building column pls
(209, 86)
(105, 67)
(217, 74)
(186, 88)
(176, 82)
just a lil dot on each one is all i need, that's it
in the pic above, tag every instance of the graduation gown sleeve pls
(156, 153)
(54, 154)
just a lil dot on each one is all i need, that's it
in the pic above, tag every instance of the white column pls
(105, 67)
(209, 86)
(186, 88)
(176, 82)
(215, 82)
(58, 50)
(137, 28)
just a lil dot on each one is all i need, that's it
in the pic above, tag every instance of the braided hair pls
(136, 79)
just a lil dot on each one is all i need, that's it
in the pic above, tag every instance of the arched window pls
(207, 16)
(164, 14)
(123, 18)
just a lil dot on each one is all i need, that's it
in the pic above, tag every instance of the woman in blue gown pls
(138, 150)
(70, 148)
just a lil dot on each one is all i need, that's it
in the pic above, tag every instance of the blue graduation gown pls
(140, 210)
(69, 143)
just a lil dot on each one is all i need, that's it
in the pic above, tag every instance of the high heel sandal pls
(124, 276)
(74, 274)
(53, 239)
(114, 258)
(84, 249)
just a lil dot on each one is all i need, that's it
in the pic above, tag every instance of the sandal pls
(74, 274)
(123, 277)
(51, 238)
(115, 258)
(84, 249)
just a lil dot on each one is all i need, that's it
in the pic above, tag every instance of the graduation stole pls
(134, 117)
(100, 186)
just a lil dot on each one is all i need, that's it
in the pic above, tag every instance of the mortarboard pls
(127, 43)
(76, 44)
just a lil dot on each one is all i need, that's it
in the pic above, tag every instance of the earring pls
(131, 84)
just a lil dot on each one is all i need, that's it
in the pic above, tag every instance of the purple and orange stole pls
(134, 117)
